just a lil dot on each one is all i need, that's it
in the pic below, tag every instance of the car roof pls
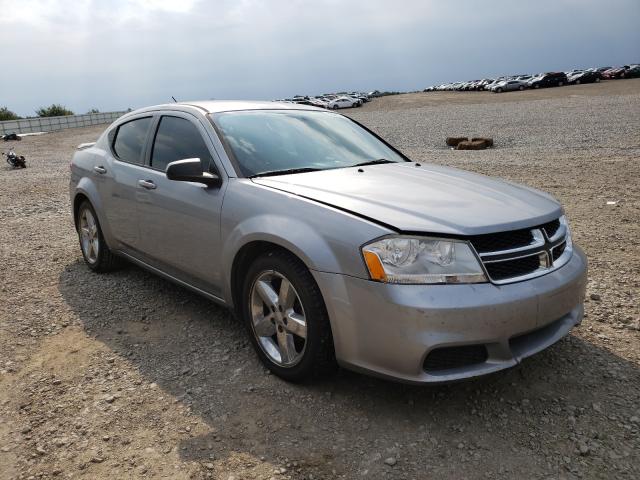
(217, 106)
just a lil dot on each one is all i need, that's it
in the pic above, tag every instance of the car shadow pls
(197, 352)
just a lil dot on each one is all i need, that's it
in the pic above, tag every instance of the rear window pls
(130, 139)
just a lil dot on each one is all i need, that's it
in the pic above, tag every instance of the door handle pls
(100, 169)
(148, 184)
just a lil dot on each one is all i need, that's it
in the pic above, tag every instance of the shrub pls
(55, 110)
(6, 114)
(94, 110)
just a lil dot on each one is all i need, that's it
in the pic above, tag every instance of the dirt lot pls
(128, 376)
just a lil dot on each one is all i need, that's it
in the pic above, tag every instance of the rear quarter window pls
(130, 139)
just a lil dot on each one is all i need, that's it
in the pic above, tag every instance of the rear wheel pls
(499, 90)
(560, 84)
(95, 251)
(597, 80)
(577, 82)
(286, 318)
(520, 88)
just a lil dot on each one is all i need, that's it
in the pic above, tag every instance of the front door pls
(180, 221)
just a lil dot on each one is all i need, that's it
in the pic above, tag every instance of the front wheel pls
(499, 90)
(286, 318)
(560, 84)
(520, 88)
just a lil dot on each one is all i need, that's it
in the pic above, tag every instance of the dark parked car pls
(577, 78)
(551, 79)
(615, 72)
(632, 72)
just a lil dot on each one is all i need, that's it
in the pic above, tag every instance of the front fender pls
(302, 240)
(324, 238)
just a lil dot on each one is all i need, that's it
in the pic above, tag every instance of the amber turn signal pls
(376, 270)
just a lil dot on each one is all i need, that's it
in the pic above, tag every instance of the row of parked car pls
(332, 101)
(549, 79)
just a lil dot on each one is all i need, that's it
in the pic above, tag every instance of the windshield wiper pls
(289, 171)
(380, 161)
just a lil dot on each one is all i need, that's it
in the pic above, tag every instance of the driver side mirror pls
(190, 170)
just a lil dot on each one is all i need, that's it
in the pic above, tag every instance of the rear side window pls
(130, 140)
(178, 139)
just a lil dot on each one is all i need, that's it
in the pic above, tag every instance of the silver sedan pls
(330, 245)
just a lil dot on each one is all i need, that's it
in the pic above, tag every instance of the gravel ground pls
(128, 376)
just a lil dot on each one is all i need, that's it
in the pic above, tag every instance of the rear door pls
(118, 176)
(180, 221)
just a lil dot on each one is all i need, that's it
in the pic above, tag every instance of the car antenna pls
(174, 99)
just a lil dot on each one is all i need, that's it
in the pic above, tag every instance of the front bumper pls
(389, 330)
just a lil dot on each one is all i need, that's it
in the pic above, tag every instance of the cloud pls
(129, 53)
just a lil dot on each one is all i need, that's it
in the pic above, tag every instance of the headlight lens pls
(405, 259)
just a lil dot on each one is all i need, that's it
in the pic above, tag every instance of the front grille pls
(518, 254)
(447, 358)
(492, 242)
(551, 228)
(513, 267)
(558, 251)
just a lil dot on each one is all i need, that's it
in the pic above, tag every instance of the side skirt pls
(173, 279)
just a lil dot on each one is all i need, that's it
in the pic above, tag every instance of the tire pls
(335, 107)
(104, 260)
(498, 90)
(560, 84)
(520, 88)
(577, 82)
(307, 358)
(537, 86)
(597, 80)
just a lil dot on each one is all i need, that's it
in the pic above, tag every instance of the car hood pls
(426, 198)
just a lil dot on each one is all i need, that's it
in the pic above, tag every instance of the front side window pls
(178, 139)
(275, 140)
(130, 140)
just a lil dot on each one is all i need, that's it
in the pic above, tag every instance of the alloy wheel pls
(89, 238)
(278, 319)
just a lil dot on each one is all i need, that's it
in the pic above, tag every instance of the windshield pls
(268, 141)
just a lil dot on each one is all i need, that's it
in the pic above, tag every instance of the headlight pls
(406, 259)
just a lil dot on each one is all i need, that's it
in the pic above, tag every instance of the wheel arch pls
(86, 190)
(243, 259)
(77, 201)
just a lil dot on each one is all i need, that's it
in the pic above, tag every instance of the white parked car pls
(343, 102)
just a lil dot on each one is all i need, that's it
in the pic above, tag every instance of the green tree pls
(94, 110)
(55, 110)
(6, 114)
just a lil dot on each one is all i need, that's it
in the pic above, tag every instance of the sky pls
(119, 54)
